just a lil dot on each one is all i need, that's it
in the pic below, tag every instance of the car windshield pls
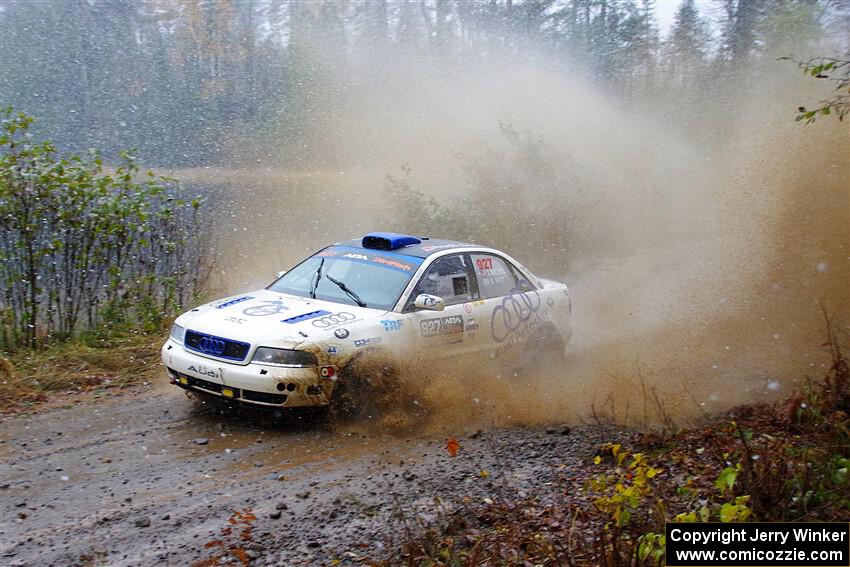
(376, 278)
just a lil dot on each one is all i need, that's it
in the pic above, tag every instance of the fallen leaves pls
(452, 446)
(243, 522)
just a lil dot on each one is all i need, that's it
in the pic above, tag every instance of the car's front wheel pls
(367, 385)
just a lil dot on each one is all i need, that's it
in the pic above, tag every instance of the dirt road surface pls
(147, 478)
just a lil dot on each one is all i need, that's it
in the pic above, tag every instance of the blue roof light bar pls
(388, 241)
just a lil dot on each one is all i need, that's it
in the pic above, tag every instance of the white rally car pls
(386, 296)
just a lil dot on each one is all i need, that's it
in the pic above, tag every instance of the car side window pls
(496, 277)
(447, 277)
(522, 282)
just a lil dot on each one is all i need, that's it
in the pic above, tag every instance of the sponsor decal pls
(478, 303)
(467, 307)
(432, 247)
(442, 326)
(550, 302)
(332, 349)
(365, 342)
(523, 333)
(205, 371)
(234, 319)
(471, 325)
(230, 302)
(268, 308)
(392, 324)
(515, 310)
(305, 317)
(403, 266)
(341, 333)
(328, 319)
(407, 264)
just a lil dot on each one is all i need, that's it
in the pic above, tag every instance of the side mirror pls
(429, 302)
(280, 273)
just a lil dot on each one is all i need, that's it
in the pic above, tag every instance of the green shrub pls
(82, 246)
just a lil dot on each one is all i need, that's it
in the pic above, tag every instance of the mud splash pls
(705, 239)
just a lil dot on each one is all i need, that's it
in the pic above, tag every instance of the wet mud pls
(148, 478)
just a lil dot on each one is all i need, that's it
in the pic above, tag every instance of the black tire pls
(367, 384)
(545, 352)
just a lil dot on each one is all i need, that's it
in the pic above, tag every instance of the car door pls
(453, 330)
(507, 308)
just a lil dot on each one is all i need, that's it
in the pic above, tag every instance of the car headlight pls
(177, 333)
(268, 355)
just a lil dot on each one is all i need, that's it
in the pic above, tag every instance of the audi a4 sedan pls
(385, 297)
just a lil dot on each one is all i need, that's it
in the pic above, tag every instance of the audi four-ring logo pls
(514, 310)
(333, 319)
(210, 345)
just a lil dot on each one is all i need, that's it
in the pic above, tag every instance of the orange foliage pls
(452, 446)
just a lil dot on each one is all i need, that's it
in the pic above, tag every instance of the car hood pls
(274, 319)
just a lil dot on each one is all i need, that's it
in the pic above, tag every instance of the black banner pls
(759, 544)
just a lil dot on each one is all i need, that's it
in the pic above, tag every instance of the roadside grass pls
(788, 461)
(94, 361)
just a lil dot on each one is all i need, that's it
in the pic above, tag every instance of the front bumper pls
(259, 384)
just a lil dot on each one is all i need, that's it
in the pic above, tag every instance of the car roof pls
(423, 249)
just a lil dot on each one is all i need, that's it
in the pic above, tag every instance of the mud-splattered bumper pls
(264, 385)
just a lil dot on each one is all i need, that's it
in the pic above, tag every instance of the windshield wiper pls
(318, 277)
(348, 292)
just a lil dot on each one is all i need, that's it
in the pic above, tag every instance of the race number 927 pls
(484, 264)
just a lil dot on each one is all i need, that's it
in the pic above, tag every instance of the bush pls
(83, 247)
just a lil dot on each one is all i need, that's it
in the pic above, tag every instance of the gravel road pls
(147, 478)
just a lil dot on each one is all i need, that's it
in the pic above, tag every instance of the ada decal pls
(341, 333)
(270, 308)
(442, 326)
(392, 324)
(204, 371)
(369, 341)
(224, 304)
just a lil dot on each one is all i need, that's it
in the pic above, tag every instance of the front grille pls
(218, 347)
(263, 397)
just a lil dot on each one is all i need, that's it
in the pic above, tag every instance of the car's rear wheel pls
(544, 353)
